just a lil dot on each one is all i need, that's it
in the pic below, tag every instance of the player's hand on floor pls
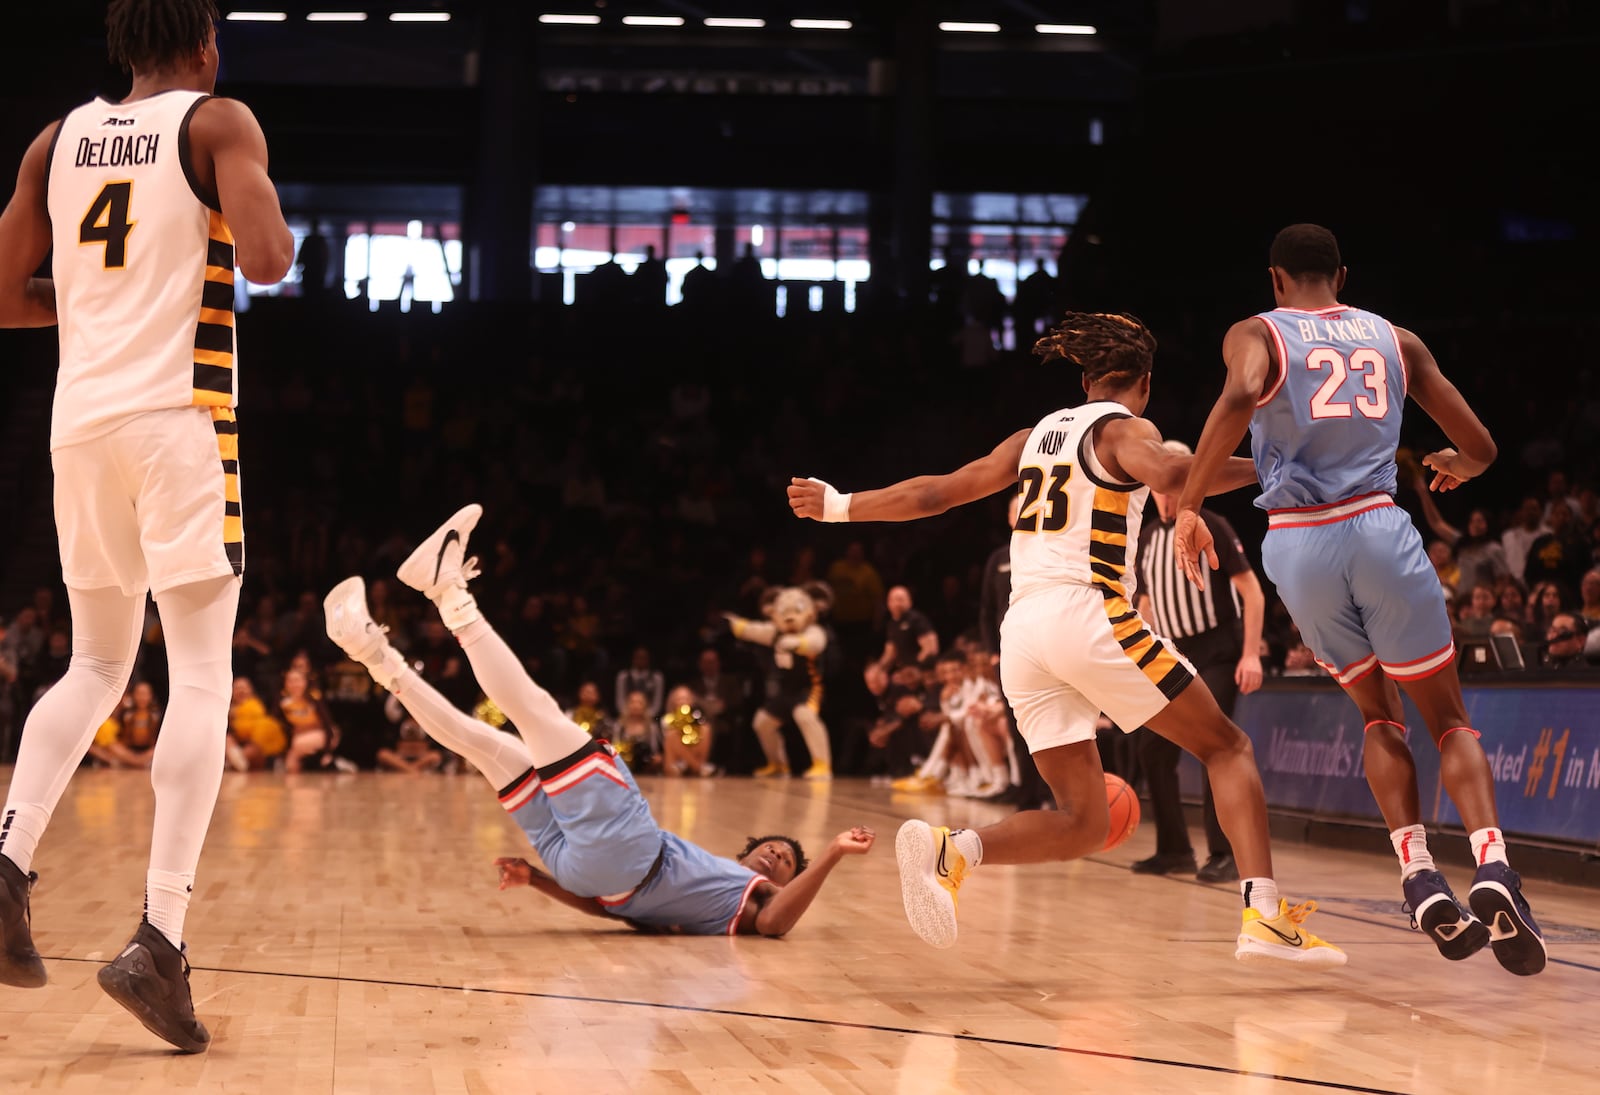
(514, 872)
(856, 841)
(805, 497)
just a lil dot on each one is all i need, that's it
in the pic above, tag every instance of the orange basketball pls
(1124, 807)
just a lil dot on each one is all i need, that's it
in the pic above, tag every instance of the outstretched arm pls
(519, 872)
(1430, 509)
(27, 301)
(783, 909)
(911, 499)
(1445, 405)
(1131, 448)
(751, 631)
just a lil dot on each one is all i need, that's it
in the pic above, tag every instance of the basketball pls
(1124, 807)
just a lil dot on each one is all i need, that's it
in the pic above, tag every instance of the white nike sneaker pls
(440, 570)
(352, 630)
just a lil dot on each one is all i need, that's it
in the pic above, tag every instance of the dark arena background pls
(617, 270)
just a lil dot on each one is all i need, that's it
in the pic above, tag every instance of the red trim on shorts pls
(1331, 505)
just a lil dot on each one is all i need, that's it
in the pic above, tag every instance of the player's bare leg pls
(1271, 930)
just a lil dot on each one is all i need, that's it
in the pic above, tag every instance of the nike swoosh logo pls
(1293, 940)
(449, 538)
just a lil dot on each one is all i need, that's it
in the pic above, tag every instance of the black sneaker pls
(1496, 897)
(1219, 868)
(20, 965)
(1434, 909)
(150, 978)
(1164, 863)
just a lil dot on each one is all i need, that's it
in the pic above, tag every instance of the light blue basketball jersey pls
(695, 892)
(1327, 428)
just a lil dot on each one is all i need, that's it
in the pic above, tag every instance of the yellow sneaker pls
(931, 872)
(819, 771)
(768, 771)
(918, 785)
(1283, 938)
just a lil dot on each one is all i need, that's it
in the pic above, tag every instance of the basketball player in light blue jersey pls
(1321, 387)
(571, 794)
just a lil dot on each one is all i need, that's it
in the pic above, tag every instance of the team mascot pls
(794, 677)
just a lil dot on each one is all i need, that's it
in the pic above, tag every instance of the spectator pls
(911, 639)
(589, 713)
(255, 739)
(1589, 596)
(857, 594)
(637, 734)
(641, 676)
(1545, 601)
(127, 739)
(1476, 614)
(1564, 643)
(1559, 554)
(1480, 557)
(1516, 540)
(312, 734)
(686, 736)
(408, 749)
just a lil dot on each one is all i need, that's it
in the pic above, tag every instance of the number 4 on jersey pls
(107, 223)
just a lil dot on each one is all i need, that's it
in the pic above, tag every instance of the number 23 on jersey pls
(1044, 499)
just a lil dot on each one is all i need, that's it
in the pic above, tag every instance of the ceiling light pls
(419, 17)
(652, 20)
(1064, 28)
(715, 22)
(336, 17)
(256, 16)
(970, 28)
(820, 24)
(579, 20)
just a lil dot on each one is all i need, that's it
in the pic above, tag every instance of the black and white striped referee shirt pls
(1177, 609)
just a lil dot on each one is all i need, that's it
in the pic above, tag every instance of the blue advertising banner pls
(1543, 745)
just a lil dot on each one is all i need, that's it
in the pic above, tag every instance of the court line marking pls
(1011, 1043)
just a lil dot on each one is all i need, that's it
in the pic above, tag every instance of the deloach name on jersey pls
(133, 150)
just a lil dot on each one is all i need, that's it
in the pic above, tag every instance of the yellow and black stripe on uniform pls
(213, 333)
(227, 427)
(213, 376)
(1108, 560)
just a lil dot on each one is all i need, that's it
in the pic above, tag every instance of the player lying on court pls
(571, 794)
(1072, 645)
(1321, 387)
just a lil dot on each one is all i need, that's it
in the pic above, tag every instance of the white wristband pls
(835, 506)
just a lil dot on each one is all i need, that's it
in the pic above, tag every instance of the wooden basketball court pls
(347, 936)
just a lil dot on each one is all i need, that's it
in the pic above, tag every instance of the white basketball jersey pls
(143, 268)
(1076, 525)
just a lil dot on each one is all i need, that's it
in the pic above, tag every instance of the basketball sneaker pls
(931, 873)
(350, 626)
(440, 570)
(1496, 896)
(1434, 909)
(918, 785)
(20, 964)
(150, 978)
(1283, 938)
(819, 771)
(771, 771)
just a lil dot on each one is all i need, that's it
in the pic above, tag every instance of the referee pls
(1218, 628)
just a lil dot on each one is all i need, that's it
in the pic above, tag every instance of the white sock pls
(386, 665)
(968, 844)
(1488, 846)
(20, 829)
(1411, 846)
(166, 902)
(1260, 894)
(457, 608)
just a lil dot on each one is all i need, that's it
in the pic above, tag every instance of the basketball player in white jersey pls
(146, 205)
(1072, 645)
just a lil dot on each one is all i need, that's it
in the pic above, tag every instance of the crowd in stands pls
(632, 468)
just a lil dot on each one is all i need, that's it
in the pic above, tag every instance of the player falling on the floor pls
(571, 794)
(1072, 645)
(144, 447)
(1321, 387)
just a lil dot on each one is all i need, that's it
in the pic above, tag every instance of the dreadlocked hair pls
(1105, 345)
(800, 861)
(156, 34)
